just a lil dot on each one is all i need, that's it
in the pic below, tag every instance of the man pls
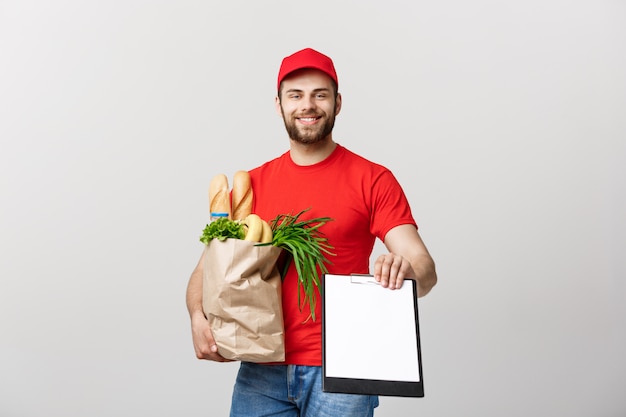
(365, 202)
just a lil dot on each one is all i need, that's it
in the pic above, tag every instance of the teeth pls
(307, 119)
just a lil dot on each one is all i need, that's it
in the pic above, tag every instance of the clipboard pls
(370, 337)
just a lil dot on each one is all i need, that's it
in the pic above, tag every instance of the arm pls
(407, 258)
(203, 341)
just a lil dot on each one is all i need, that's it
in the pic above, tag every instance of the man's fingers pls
(203, 341)
(388, 271)
(211, 354)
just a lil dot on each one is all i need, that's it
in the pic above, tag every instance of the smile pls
(308, 120)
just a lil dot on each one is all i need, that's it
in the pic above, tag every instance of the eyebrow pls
(315, 90)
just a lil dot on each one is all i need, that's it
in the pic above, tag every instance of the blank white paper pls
(370, 331)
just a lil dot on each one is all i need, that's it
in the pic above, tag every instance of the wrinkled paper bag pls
(242, 300)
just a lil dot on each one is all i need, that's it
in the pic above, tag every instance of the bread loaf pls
(219, 196)
(242, 195)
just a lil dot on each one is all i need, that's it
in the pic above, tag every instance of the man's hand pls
(408, 258)
(203, 341)
(390, 270)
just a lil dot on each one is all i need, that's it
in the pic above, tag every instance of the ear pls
(277, 106)
(338, 104)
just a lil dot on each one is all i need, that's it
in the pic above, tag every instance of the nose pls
(308, 102)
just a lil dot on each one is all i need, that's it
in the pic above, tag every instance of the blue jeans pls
(292, 391)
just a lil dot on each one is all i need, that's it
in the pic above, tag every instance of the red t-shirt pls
(364, 200)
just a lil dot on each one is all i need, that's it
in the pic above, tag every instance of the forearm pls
(194, 291)
(424, 273)
(412, 259)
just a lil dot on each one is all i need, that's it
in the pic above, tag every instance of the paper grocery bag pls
(242, 300)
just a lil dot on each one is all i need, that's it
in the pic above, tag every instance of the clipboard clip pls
(366, 279)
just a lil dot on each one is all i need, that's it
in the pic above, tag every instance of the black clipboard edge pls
(373, 386)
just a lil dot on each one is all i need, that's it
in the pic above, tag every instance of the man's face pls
(308, 105)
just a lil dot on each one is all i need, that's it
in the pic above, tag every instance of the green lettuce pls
(222, 229)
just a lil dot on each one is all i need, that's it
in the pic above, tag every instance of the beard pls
(308, 135)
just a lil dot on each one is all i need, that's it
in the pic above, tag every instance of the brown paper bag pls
(242, 300)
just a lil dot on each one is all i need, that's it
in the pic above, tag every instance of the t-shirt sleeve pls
(390, 207)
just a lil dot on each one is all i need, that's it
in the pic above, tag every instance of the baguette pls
(242, 195)
(219, 196)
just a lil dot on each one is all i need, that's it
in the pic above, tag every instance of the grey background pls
(504, 121)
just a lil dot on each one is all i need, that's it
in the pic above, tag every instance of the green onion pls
(308, 248)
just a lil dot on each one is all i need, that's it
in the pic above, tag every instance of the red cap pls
(306, 58)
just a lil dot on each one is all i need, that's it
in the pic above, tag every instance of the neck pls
(309, 154)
